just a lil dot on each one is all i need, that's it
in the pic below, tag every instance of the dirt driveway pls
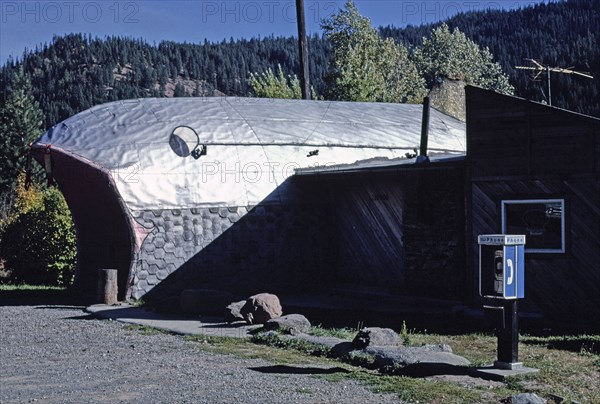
(60, 354)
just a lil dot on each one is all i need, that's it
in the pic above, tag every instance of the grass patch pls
(304, 390)
(569, 365)
(248, 349)
(144, 329)
(283, 342)
(582, 344)
(343, 333)
(420, 390)
(36, 295)
(137, 302)
(565, 371)
(215, 339)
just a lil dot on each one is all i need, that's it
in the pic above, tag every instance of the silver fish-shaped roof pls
(268, 137)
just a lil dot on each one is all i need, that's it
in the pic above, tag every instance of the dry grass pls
(565, 371)
(569, 365)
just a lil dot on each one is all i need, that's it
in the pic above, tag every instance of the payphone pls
(502, 266)
(502, 278)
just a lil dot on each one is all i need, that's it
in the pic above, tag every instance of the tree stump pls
(107, 286)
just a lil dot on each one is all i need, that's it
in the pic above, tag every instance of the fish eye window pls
(542, 221)
(184, 141)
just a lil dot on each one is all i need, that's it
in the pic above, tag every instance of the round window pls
(184, 141)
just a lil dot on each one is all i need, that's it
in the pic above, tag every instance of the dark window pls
(542, 221)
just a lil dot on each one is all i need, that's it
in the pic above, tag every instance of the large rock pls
(526, 398)
(293, 324)
(418, 361)
(376, 336)
(204, 301)
(261, 308)
(233, 311)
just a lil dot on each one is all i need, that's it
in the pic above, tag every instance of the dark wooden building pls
(534, 169)
(398, 227)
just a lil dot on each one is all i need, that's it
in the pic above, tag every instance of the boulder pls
(376, 336)
(233, 311)
(204, 301)
(344, 350)
(526, 398)
(261, 308)
(417, 361)
(293, 324)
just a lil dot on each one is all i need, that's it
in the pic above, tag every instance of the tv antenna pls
(540, 68)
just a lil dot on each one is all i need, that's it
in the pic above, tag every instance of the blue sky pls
(25, 24)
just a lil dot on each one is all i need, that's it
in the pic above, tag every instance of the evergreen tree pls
(179, 91)
(20, 123)
(560, 34)
(365, 67)
(268, 85)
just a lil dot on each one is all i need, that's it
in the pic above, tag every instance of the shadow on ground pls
(52, 297)
(578, 344)
(298, 370)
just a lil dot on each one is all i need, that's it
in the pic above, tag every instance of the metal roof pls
(239, 132)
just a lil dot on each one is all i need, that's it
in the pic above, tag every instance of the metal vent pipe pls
(422, 157)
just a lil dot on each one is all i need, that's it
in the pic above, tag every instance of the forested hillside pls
(561, 34)
(75, 72)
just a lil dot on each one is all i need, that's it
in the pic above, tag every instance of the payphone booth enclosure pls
(502, 266)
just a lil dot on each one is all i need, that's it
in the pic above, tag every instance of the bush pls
(38, 238)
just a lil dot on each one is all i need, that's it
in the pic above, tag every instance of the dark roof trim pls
(379, 166)
(491, 93)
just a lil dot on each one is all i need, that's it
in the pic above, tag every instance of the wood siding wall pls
(521, 150)
(401, 231)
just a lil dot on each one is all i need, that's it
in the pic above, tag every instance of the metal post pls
(422, 157)
(303, 46)
(508, 338)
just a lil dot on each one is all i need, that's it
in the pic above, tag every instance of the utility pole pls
(539, 68)
(303, 46)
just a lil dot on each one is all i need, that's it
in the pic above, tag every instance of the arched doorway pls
(104, 234)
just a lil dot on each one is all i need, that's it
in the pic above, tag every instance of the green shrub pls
(38, 239)
(405, 334)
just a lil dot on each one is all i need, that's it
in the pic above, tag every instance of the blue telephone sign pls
(502, 266)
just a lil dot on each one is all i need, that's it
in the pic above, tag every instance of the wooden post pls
(107, 286)
(303, 47)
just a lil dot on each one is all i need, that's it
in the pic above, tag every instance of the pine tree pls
(268, 85)
(179, 91)
(20, 123)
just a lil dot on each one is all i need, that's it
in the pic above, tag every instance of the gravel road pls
(60, 354)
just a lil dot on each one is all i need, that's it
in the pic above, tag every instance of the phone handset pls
(509, 264)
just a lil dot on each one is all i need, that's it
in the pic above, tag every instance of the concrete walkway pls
(211, 326)
(427, 363)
